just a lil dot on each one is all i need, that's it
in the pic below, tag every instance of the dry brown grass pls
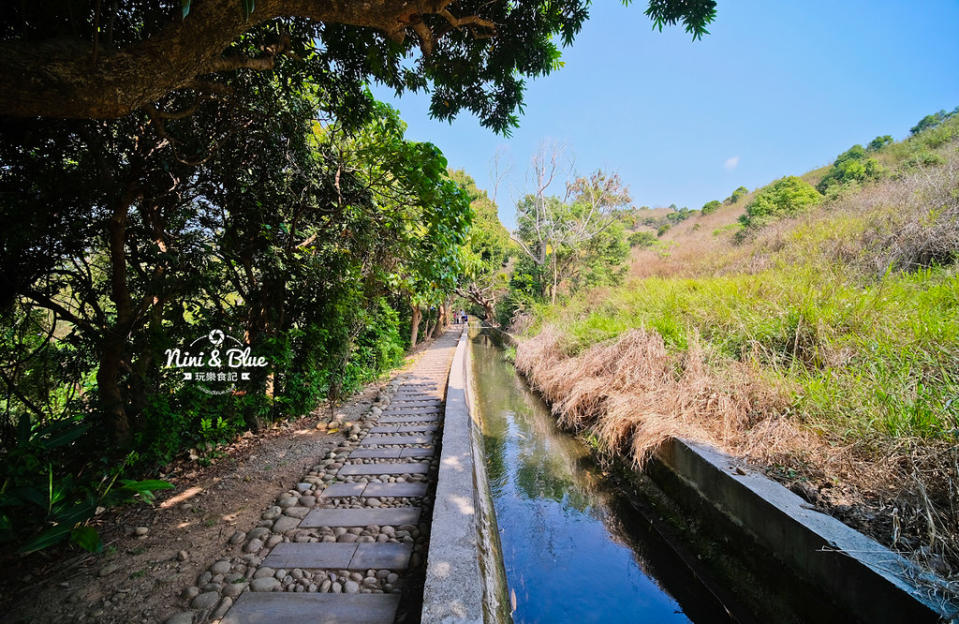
(691, 247)
(633, 394)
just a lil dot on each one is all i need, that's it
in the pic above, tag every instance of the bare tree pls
(539, 222)
(500, 168)
(550, 227)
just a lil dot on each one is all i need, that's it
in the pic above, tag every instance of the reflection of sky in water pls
(561, 560)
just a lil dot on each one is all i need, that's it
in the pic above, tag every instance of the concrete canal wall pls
(465, 582)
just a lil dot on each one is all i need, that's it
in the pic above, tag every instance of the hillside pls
(822, 343)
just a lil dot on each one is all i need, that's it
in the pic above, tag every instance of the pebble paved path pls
(348, 544)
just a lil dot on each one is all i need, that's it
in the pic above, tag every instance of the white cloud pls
(731, 163)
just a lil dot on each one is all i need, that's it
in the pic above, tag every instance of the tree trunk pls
(440, 321)
(489, 311)
(108, 386)
(112, 399)
(415, 325)
(553, 294)
(429, 325)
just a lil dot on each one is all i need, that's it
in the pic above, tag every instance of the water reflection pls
(574, 550)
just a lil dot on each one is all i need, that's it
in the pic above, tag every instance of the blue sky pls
(777, 88)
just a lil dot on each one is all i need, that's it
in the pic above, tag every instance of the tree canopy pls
(102, 59)
(301, 237)
(484, 278)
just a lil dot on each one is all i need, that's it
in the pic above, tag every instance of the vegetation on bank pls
(812, 325)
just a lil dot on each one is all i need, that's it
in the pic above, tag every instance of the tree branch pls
(56, 78)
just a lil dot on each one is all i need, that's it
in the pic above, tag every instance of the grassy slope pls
(826, 324)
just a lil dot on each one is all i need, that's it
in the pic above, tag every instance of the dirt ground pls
(138, 578)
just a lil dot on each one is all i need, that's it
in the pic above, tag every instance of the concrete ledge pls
(456, 590)
(859, 574)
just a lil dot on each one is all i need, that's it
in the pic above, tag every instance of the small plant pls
(42, 508)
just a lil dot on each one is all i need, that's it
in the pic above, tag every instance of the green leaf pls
(23, 429)
(185, 7)
(147, 485)
(48, 538)
(76, 513)
(86, 538)
(61, 433)
(32, 495)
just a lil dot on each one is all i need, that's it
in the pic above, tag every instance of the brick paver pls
(313, 608)
(386, 468)
(394, 516)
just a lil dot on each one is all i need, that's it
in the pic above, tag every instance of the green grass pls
(862, 358)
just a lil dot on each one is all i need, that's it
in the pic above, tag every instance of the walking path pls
(348, 545)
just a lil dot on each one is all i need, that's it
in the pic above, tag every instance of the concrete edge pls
(860, 575)
(455, 589)
(496, 604)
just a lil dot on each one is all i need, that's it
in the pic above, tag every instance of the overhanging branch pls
(63, 78)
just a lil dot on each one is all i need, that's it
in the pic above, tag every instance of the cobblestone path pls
(348, 545)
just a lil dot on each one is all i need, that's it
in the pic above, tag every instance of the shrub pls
(679, 214)
(931, 121)
(41, 506)
(923, 158)
(738, 194)
(642, 239)
(786, 196)
(663, 229)
(879, 142)
(851, 166)
(711, 206)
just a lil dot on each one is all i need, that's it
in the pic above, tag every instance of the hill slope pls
(823, 344)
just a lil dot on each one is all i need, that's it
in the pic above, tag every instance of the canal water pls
(574, 549)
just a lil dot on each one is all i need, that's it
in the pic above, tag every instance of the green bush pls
(853, 165)
(663, 229)
(879, 142)
(923, 158)
(931, 121)
(736, 195)
(710, 206)
(679, 214)
(784, 197)
(642, 239)
(41, 506)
